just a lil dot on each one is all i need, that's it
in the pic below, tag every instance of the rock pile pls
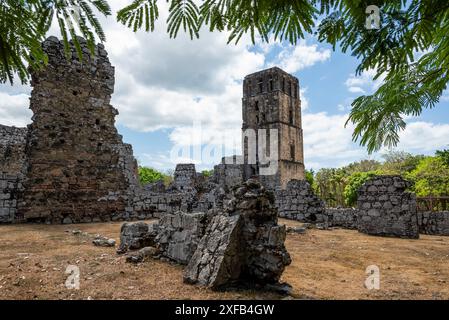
(136, 236)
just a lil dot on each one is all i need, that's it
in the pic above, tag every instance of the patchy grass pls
(326, 265)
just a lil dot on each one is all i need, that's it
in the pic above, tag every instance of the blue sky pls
(165, 88)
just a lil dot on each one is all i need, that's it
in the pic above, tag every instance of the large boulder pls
(136, 235)
(243, 244)
(179, 235)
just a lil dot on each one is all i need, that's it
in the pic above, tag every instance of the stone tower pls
(271, 101)
(75, 156)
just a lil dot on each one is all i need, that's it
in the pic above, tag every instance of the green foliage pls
(207, 173)
(354, 182)
(309, 177)
(149, 175)
(444, 155)
(398, 162)
(363, 166)
(430, 177)
(24, 24)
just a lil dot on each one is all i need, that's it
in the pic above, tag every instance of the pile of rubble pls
(242, 244)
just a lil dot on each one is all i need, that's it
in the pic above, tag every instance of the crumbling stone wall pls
(10, 188)
(244, 244)
(185, 176)
(229, 173)
(342, 217)
(434, 223)
(75, 155)
(298, 202)
(12, 149)
(386, 209)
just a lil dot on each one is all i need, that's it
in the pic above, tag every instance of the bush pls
(149, 175)
(431, 177)
(354, 182)
(207, 173)
(309, 176)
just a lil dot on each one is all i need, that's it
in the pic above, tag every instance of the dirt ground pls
(326, 264)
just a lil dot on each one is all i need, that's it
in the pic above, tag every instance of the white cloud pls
(424, 137)
(364, 83)
(304, 100)
(295, 58)
(14, 109)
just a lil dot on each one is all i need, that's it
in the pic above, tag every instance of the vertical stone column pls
(75, 155)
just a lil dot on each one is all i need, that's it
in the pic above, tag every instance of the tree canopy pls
(410, 49)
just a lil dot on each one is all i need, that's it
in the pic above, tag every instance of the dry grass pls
(326, 265)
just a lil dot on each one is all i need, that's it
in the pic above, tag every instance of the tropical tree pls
(24, 24)
(444, 155)
(354, 182)
(207, 173)
(431, 177)
(149, 175)
(400, 162)
(411, 82)
(310, 177)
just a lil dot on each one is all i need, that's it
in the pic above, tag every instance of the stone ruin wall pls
(10, 188)
(298, 202)
(393, 211)
(12, 150)
(434, 223)
(12, 165)
(74, 154)
(386, 209)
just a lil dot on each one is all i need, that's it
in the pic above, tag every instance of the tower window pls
(257, 106)
(257, 119)
(260, 86)
(283, 84)
(292, 151)
(290, 117)
(271, 83)
(290, 88)
(294, 91)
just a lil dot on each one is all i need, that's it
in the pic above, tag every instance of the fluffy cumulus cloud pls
(328, 143)
(295, 58)
(14, 109)
(364, 83)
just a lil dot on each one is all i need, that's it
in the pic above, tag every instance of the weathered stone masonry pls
(12, 165)
(74, 154)
(386, 209)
